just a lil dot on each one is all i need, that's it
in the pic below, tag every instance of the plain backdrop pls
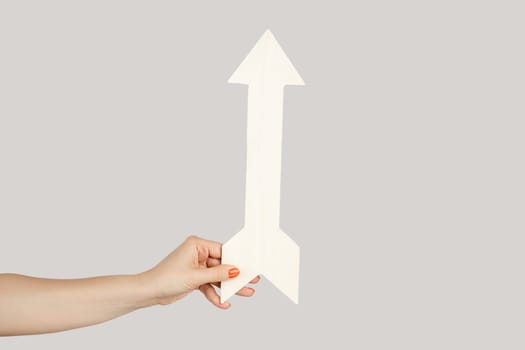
(403, 165)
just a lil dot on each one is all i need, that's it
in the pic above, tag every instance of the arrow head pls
(266, 62)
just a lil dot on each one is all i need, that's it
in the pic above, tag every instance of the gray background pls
(402, 175)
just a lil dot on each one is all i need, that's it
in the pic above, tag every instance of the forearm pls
(31, 305)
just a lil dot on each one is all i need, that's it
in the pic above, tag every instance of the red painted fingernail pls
(233, 272)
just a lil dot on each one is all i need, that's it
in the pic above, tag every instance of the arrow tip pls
(266, 60)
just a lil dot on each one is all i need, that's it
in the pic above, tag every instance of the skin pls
(30, 305)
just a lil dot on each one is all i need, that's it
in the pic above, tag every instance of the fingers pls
(210, 294)
(214, 248)
(246, 292)
(215, 253)
(211, 262)
(243, 292)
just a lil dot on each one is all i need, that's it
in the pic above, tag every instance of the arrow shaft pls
(264, 141)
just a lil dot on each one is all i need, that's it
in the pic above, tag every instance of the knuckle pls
(192, 238)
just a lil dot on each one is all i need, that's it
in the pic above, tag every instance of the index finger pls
(214, 248)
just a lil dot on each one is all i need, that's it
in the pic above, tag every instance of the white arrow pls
(261, 247)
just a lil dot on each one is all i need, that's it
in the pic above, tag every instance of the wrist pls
(147, 293)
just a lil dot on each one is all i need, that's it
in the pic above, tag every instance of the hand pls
(195, 264)
(31, 305)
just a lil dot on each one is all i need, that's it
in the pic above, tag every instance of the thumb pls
(216, 274)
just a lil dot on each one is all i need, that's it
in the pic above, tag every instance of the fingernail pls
(233, 272)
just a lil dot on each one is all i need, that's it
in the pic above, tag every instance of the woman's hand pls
(30, 305)
(195, 264)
